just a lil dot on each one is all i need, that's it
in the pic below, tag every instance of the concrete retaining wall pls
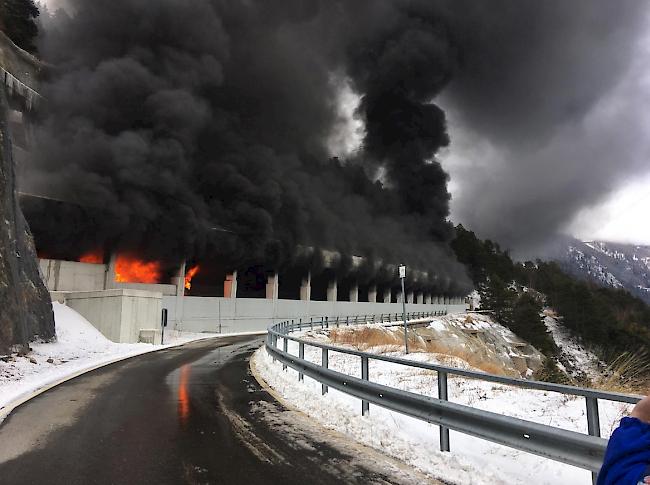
(71, 276)
(228, 315)
(118, 314)
(59, 275)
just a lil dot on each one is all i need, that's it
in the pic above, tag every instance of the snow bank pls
(472, 461)
(79, 346)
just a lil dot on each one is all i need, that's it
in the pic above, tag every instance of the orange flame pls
(189, 275)
(94, 257)
(183, 395)
(132, 270)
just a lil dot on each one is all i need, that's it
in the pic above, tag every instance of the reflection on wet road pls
(186, 415)
(183, 395)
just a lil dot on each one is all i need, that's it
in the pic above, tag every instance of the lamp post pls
(402, 275)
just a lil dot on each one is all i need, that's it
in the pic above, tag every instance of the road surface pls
(186, 415)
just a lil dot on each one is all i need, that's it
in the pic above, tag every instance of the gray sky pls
(552, 135)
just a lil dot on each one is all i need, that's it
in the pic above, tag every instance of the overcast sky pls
(552, 135)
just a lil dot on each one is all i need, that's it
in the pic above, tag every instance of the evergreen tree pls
(527, 323)
(18, 21)
(608, 321)
(497, 296)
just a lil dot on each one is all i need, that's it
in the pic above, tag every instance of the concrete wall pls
(118, 314)
(228, 315)
(167, 290)
(61, 275)
(71, 276)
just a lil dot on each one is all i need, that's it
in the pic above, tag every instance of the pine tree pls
(18, 21)
(528, 324)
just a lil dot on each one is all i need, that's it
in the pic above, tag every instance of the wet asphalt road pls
(188, 415)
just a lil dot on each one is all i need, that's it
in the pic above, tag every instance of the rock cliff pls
(25, 305)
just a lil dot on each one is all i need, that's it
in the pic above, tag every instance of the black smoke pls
(548, 112)
(169, 120)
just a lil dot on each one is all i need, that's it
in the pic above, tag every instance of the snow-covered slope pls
(610, 264)
(573, 358)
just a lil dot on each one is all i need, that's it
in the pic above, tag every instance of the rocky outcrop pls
(25, 305)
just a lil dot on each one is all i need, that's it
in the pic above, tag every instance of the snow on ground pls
(79, 346)
(472, 461)
(574, 358)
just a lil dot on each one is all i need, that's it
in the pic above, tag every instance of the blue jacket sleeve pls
(627, 459)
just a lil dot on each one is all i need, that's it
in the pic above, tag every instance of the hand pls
(642, 411)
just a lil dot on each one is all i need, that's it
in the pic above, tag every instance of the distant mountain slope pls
(613, 265)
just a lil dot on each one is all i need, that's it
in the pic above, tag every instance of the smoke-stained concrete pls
(178, 116)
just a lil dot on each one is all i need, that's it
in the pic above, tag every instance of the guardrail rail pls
(578, 449)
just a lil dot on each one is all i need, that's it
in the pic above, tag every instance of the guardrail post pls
(274, 343)
(442, 395)
(322, 322)
(301, 356)
(347, 321)
(365, 405)
(327, 322)
(337, 322)
(593, 418)
(325, 364)
(593, 424)
(285, 347)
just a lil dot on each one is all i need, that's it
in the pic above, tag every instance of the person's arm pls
(627, 460)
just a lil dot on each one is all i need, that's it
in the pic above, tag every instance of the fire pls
(94, 257)
(189, 275)
(132, 270)
(184, 395)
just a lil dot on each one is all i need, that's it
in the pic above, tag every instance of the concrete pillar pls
(387, 296)
(372, 294)
(409, 297)
(354, 292)
(180, 297)
(272, 286)
(109, 280)
(427, 299)
(400, 297)
(305, 287)
(332, 289)
(446, 300)
(179, 280)
(420, 298)
(230, 285)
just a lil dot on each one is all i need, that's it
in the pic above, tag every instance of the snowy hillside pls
(610, 264)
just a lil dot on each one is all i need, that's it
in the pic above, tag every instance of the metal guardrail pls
(582, 450)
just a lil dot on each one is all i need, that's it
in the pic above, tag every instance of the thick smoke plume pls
(168, 120)
(547, 110)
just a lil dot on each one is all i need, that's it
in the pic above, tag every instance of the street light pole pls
(402, 275)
